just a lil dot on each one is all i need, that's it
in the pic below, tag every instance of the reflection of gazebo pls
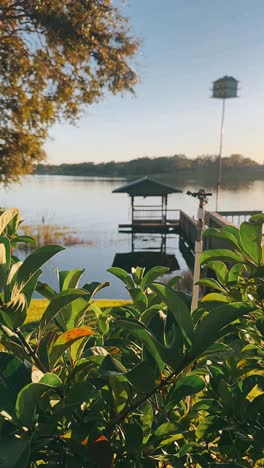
(150, 218)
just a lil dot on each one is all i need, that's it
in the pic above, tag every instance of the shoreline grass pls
(38, 306)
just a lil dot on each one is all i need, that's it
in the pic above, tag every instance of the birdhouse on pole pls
(225, 88)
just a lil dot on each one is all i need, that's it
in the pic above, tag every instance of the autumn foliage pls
(56, 56)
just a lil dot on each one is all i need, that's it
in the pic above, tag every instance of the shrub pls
(144, 385)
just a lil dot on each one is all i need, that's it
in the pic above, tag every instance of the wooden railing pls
(154, 214)
(237, 217)
(188, 227)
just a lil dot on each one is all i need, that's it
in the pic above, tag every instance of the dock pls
(158, 219)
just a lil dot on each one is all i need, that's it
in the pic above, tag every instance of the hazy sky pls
(186, 44)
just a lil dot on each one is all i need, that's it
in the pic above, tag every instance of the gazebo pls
(150, 218)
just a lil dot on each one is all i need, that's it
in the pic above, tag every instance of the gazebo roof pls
(146, 187)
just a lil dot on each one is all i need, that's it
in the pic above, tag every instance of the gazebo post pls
(132, 208)
(164, 199)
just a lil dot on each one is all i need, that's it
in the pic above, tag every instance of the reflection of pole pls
(198, 251)
(220, 157)
(132, 242)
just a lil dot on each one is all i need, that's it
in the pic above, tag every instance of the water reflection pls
(187, 252)
(149, 250)
(230, 182)
(87, 207)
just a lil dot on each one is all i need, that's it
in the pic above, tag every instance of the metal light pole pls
(202, 196)
(224, 88)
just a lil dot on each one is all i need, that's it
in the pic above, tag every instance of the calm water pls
(88, 207)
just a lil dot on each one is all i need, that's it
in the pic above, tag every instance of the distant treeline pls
(178, 164)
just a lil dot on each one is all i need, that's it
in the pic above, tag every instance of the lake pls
(89, 209)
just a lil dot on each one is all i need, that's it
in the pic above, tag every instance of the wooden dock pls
(179, 222)
(157, 218)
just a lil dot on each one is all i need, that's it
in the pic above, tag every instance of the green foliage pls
(149, 384)
(55, 57)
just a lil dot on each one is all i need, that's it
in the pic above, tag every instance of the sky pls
(186, 44)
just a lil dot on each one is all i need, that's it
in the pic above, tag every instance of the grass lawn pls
(38, 306)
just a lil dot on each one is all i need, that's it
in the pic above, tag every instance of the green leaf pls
(61, 275)
(148, 314)
(119, 392)
(235, 272)
(133, 437)
(251, 237)
(216, 297)
(14, 375)
(111, 366)
(220, 254)
(250, 382)
(29, 396)
(11, 279)
(94, 287)
(142, 377)
(137, 274)
(260, 325)
(25, 239)
(33, 262)
(146, 420)
(45, 290)
(144, 335)
(6, 217)
(218, 349)
(15, 453)
(65, 340)
(232, 230)
(165, 429)
(70, 316)
(220, 270)
(211, 283)
(13, 313)
(208, 405)
(188, 385)
(257, 218)
(30, 286)
(79, 393)
(5, 258)
(209, 427)
(178, 308)
(210, 328)
(62, 299)
(139, 298)
(152, 275)
(173, 281)
(221, 234)
(16, 349)
(256, 407)
(71, 279)
(122, 275)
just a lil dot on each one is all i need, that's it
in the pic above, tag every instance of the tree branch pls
(135, 405)
(31, 351)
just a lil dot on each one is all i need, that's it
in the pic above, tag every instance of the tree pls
(55, 57)
(237, 160)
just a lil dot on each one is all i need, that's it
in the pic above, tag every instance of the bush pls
(145, 385)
